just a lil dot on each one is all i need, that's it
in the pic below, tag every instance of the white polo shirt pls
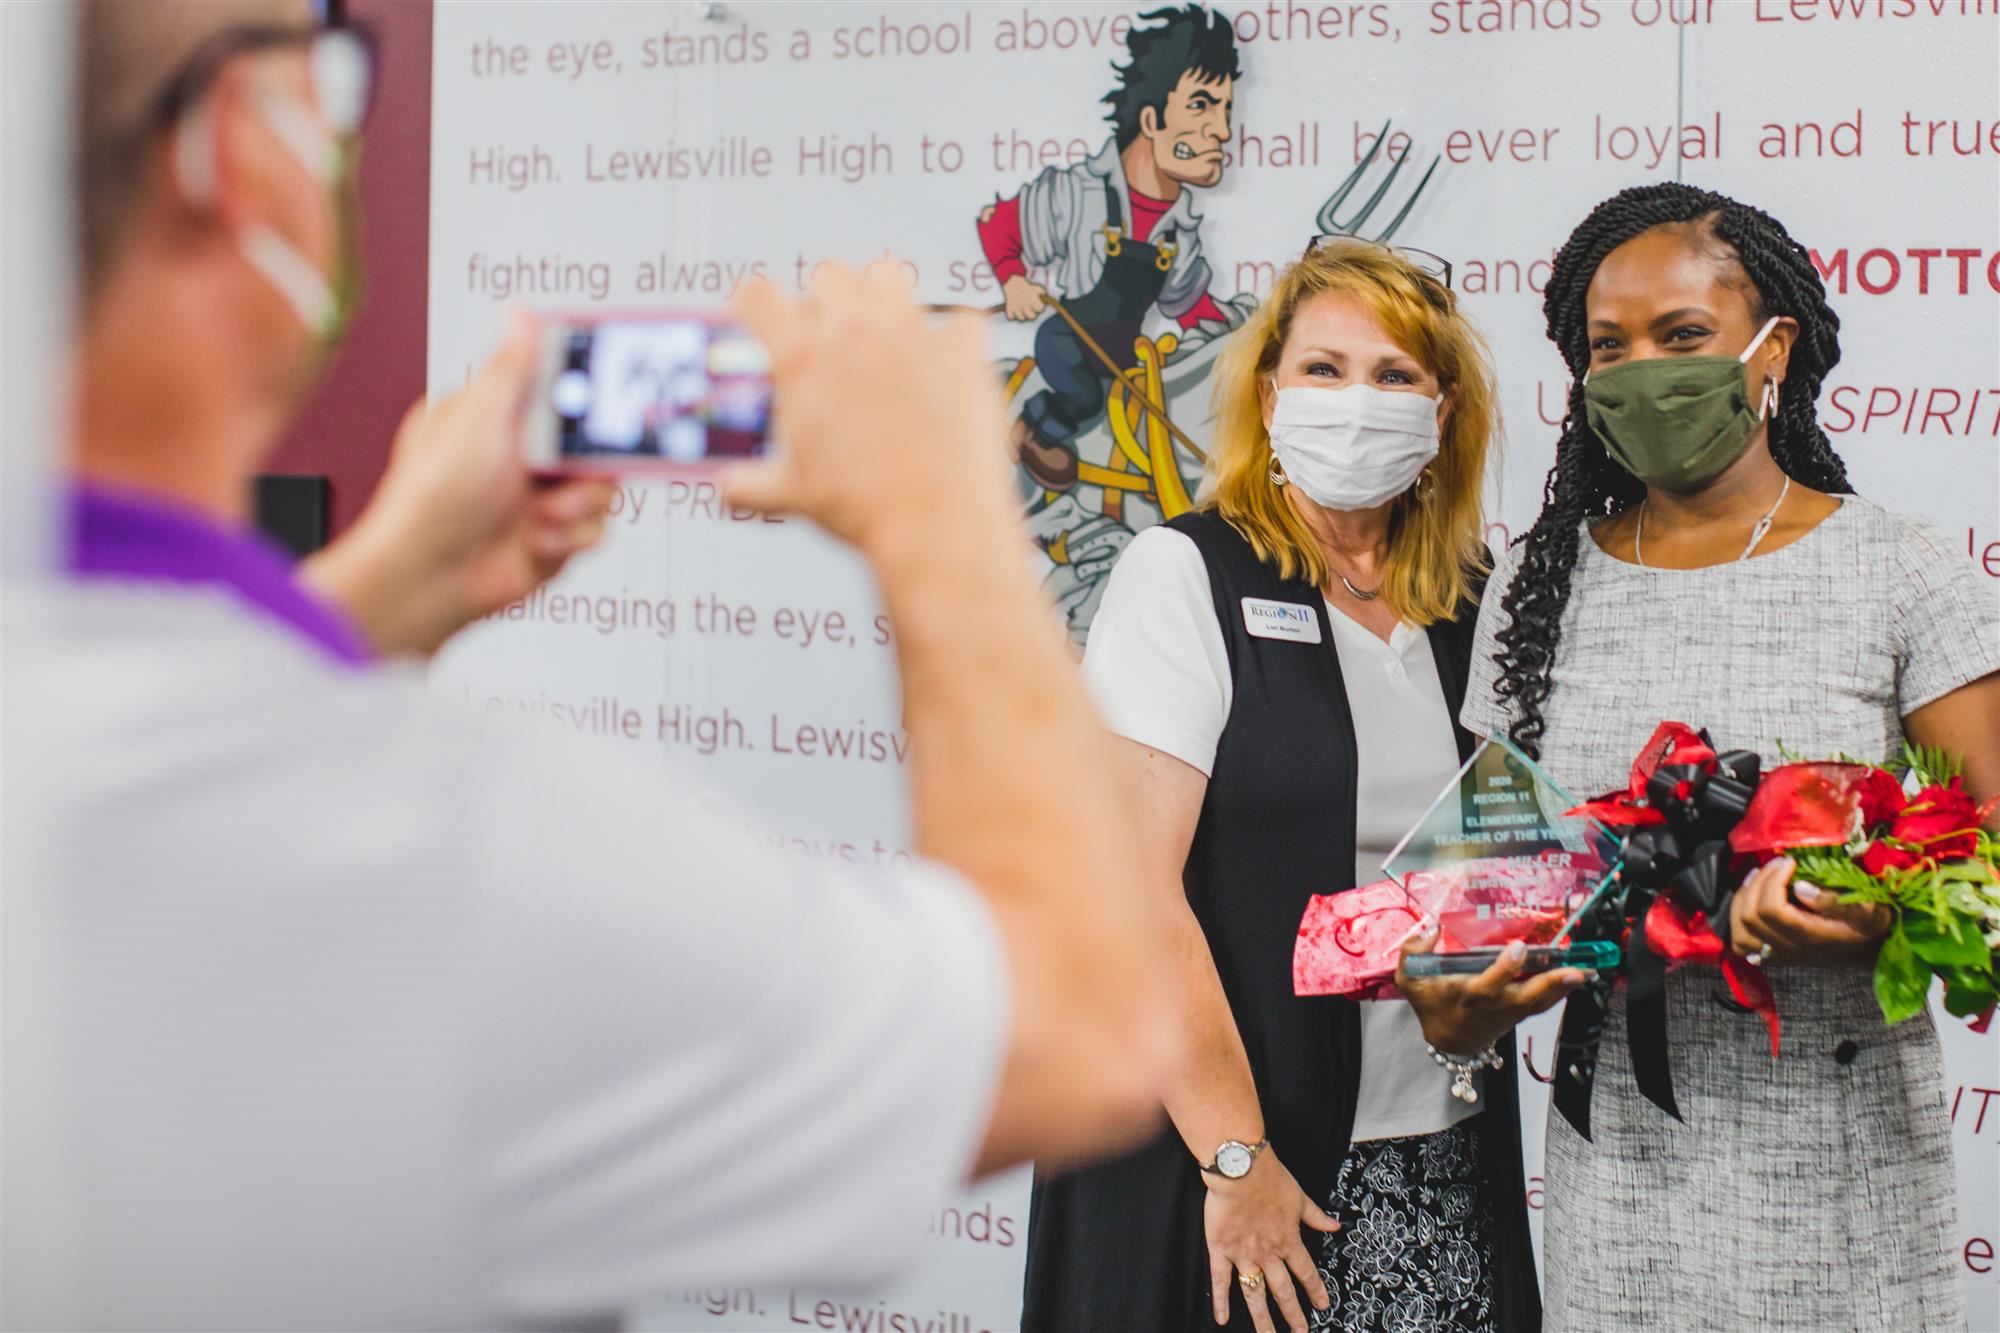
(354, 1010)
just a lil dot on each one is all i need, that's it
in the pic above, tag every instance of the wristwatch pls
(1234, 1158)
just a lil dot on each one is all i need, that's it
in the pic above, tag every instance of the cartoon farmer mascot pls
(1117, 234)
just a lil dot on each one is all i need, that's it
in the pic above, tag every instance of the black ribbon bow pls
(1690, 855)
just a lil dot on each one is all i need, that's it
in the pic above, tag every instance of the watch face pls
(1233, 1160)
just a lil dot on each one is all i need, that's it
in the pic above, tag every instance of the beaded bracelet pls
(1463, 1067)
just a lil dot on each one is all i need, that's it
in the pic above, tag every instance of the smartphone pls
(649, 392)
(1593, 955)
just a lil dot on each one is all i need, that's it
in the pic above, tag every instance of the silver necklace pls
(1757, 534)
(1359, 595)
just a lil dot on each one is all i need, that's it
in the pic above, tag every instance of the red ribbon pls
(1683, 938)
(1672, 743)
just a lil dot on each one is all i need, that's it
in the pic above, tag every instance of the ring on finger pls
(1760, 956)
(1250, 1281)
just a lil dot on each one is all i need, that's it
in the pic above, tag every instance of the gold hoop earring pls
(1426, 487)
(1278, 477)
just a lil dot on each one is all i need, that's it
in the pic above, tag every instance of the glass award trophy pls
(1498, 858)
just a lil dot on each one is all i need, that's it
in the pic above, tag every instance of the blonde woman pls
(1283, 669)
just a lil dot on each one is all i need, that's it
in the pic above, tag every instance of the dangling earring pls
(1768, 408)
(1426, 487)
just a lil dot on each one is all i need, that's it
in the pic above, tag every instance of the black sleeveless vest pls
(1120, 1245)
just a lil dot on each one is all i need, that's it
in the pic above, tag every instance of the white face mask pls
(1353, 448)
(304, 288)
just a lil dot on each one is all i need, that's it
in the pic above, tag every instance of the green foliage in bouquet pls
(1929, 765)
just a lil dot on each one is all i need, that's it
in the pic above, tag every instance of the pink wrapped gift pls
(1349, 942)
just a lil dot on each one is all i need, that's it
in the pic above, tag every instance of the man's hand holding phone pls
(892, 429)
(458, 528)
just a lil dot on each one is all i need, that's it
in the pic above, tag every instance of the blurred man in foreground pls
(351, 1012)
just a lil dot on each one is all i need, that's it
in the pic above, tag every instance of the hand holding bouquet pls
(1696, 822)
(1925, 856)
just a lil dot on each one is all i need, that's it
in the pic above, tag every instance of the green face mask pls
(1676, 422)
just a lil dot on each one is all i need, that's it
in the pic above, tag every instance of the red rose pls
(1815, 805)
(1879, 857)
(1880, 797)
(1941, 820)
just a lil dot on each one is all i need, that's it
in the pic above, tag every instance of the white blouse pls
(1159, 672)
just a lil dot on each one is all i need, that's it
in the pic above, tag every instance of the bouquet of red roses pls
(1696, 821)
(1924, 854)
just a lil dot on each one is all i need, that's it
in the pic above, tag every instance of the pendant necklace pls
(1757, 534)
(1359, 595)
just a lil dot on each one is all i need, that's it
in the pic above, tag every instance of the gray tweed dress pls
(1807, 1192)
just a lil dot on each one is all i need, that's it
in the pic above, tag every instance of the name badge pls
(1266, 619)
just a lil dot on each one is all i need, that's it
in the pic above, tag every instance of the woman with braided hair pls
(1700, 556)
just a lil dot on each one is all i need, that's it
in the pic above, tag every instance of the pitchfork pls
(1332, 224)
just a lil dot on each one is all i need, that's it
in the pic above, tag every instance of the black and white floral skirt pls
(1414, 1251)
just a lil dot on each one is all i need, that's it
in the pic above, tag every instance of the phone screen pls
(681, 389)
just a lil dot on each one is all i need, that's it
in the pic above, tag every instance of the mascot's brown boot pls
(1053, 466)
